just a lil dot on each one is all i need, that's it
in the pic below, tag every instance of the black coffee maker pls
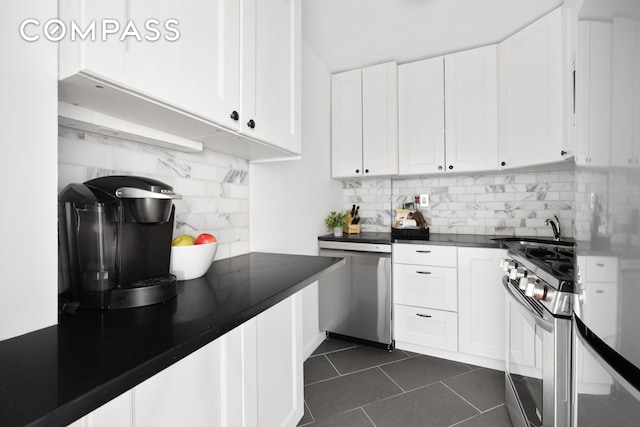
(115, 242)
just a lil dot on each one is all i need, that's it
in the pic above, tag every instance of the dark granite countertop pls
(467, 240)
(58, 374)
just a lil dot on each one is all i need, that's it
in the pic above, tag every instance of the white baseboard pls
(471, 359)
(313, 344)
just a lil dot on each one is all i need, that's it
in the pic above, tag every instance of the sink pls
(534, 240)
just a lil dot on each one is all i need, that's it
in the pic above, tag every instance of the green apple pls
(184, 240)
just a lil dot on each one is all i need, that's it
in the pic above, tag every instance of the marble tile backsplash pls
(497, 204)
(214, 186)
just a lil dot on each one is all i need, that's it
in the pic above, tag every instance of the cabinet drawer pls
(425, 286)
(442, 256)
(601, 269)
(430, 328)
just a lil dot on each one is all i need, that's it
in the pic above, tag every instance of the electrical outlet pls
(424, 200)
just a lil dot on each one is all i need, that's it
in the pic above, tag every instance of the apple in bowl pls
(191, 257)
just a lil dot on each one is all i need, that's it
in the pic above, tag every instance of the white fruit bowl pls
(193, 261)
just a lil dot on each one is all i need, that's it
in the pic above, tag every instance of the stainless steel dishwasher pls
(355, 299)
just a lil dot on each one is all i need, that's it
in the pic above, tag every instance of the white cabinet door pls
(271, 67)
(346, 124)
(471, 110)
(199, 390)
(625, 113)
(421, 117)
(116, 412)
(279, 364)
(100, 58)
(380, 119)
(593, 94)
(198, 72)
(481, 302)
(530, 100)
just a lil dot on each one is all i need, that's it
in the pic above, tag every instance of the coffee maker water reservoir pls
(115, 242)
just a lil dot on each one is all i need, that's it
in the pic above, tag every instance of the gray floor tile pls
(363, 357)
(318, 368)
(306, 418)
(433, 406)
(422, 370)
(497, 417)
(483, 388)
(351, 391)
(329, 345)
(355, 418)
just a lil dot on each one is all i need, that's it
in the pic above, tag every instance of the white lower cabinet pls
(426, 327)
(449, 302)
(481, 301)
(251, 376)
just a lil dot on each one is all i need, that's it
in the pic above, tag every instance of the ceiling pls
(348, 34)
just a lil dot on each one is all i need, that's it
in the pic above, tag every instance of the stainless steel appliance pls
(540, 286)
(355, 300)
(115, 242)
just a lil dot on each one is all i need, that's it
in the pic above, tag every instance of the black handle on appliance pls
(235, 116)
(251, 124)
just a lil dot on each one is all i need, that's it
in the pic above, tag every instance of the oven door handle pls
(540, 320)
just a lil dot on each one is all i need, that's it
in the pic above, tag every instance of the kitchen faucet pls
(555, 225)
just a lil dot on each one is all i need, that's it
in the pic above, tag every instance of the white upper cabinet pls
(364, 122)
(195, 71)
(421, 117)
(593, 94)
(531, 107)
(471, 110)
(271, 64)
(200, 71)
(625, 91)
(447, 110)
(346, 124)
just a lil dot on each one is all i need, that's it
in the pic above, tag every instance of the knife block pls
(352, 228)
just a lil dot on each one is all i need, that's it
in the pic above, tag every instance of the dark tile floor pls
(352, 385)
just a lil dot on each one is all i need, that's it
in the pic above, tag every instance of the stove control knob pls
(517, 273)
(524, 282)
(536, 291)
(508, 264)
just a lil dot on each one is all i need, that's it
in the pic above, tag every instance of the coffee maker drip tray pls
(143, 292)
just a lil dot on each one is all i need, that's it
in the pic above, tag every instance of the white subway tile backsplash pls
(500, 204)
(214, 186)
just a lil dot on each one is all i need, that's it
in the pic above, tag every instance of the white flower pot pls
(337, 232)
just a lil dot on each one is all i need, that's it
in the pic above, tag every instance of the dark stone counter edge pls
(461, 240)
(74, 410)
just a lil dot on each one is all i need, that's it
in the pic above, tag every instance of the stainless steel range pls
(540, 282)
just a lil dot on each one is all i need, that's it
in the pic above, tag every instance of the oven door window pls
(525, 361)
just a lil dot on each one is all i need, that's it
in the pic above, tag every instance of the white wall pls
(289, 200)
(28, 107)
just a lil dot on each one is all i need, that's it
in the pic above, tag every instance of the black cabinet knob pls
(366, 171)
(562, 153)
(251, 124)
(503, 164)
(235, 116)
(357, 170)
(450, 167)
(439, 168)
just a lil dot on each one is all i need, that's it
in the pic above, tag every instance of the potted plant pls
(336, 221)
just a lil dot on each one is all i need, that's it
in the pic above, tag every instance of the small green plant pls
(335, 219)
